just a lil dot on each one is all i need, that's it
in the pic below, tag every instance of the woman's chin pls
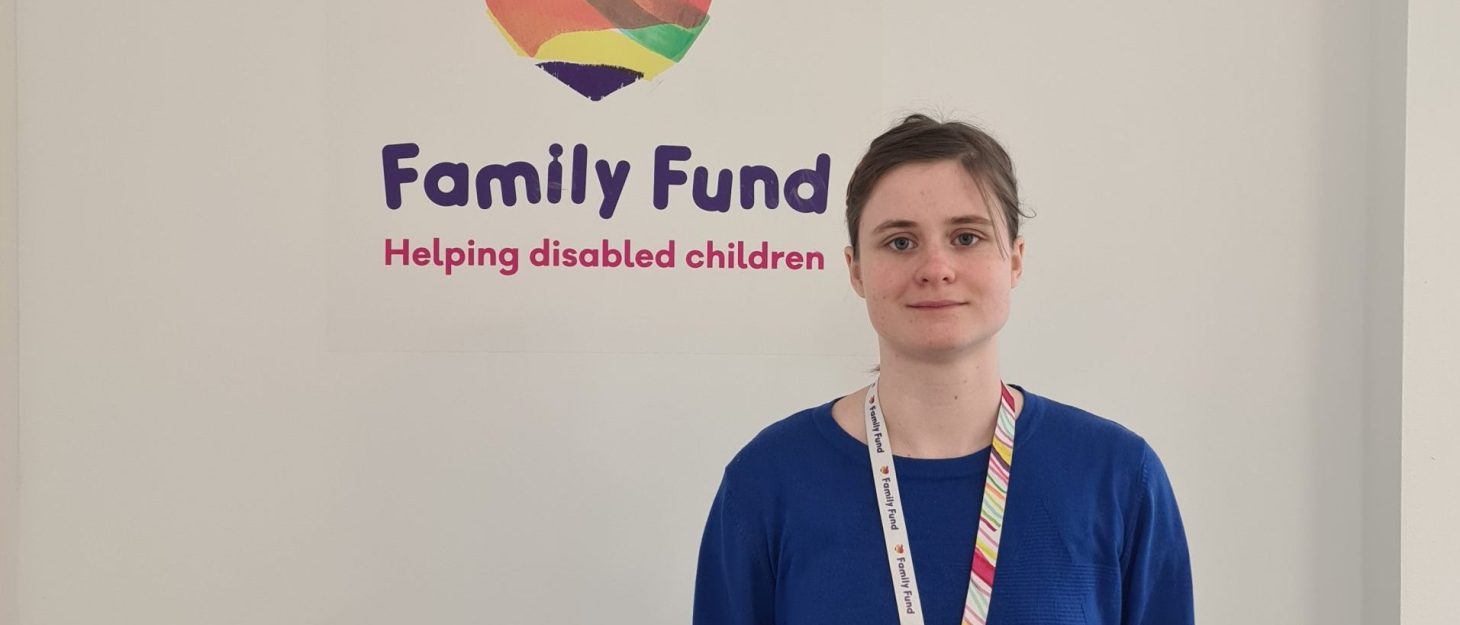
(942, 349)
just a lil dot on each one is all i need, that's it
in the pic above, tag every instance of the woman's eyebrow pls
(971, 219)
(894, 223)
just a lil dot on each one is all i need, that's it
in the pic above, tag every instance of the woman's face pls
(932, 269)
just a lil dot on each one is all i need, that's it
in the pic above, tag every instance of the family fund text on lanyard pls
(990, 516)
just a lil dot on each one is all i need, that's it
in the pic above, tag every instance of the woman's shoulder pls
(1082, 461)
(1082, 437)
(792, 442)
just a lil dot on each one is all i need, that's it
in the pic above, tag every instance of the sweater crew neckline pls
(927, 468)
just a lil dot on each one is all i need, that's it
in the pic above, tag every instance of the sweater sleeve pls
(1155, 563)
(735, 584)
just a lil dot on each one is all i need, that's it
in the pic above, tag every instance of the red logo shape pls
(885, 470)
(898, 549)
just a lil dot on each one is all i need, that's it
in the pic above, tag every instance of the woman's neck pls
(943, 409)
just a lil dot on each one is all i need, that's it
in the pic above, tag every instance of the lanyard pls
(894, 524)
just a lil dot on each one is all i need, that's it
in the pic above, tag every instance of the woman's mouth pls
(934, 304)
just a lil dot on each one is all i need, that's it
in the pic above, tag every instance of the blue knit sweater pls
(1092, 533)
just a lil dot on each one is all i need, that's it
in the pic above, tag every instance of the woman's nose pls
(935, 266)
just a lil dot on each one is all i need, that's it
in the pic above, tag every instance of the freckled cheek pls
(994, 306)
(878, 285)
(880, 305)
(877, 274)
(885, 312)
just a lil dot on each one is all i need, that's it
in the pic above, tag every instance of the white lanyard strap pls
(894, 526)
(894, 523)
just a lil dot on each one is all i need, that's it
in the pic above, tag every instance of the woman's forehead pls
(926, 194)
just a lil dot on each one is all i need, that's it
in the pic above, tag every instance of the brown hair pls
(919, 138)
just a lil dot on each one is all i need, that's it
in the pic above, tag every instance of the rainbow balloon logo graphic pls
(600, 46)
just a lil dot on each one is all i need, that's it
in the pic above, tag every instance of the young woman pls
(939, 494)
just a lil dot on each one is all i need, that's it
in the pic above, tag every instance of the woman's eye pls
(966, 238)
(901, 244)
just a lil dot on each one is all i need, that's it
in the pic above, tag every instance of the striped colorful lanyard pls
(990, 516)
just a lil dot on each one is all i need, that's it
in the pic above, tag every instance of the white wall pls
(1431, 466)
(9, 362)
(196, 450)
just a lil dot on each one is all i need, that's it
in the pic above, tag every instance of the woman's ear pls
(854, 270)
(1016, 261)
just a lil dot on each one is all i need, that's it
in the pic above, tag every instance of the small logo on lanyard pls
(898, 549)
(885, 470)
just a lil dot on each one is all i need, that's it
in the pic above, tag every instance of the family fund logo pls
(600, 46)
